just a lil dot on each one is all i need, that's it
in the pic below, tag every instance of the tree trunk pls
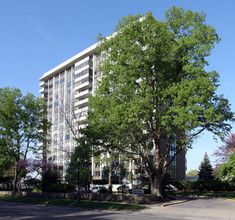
(110, 189)
(15, 179)
(155, 182)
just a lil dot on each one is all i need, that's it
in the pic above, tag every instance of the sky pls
(36, 36)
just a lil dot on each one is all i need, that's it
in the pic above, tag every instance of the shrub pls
(103, 190)
(100, 182)
(61, 188)
(123, 189)
(49, 177)
(204, 185)
(36, 189)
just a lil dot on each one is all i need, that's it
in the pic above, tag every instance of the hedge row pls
(204, 185)
(60, 188)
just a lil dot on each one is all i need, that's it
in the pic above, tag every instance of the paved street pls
(199, 208)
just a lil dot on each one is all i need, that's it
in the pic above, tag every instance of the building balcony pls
(80, 110)
(43, 84)
(82, 77)
(82, 102)
(81, 126)
(83, 94)
(81, 119)
(85, 85)
(43, 90)
(40, 144)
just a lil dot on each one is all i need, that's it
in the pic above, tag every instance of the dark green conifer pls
(205, 169)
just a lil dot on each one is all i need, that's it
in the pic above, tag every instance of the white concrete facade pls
(66, 89)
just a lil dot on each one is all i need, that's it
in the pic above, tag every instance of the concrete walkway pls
(195, 208)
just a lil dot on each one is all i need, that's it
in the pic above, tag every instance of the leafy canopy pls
(155, 94)
(22, 126)
(154, 78)
(227, 169)
(83, 153)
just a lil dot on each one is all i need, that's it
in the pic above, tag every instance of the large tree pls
(205, 169)
(155, 95)
(22, 127)
(82, 167)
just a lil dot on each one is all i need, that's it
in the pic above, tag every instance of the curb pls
(212, 197)
(174, 203)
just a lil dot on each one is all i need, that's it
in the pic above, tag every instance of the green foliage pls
(49, 177)
(6, 176)
(227, 169)
(192, 173)
(103, 190)
(22, 126)
(100, 182)
(61, 188)
(155, 90)
(73, 203)
(36, 189)
(204, 185)
(205, 169)
(228, 195)
(84, 153)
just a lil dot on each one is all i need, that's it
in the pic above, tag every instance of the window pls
(67, 136)
(96, 173)
(81, 65)
(68, 77)
(56, 104)
(68, 84)
(68, 91)
(57, 83)
(81, 73)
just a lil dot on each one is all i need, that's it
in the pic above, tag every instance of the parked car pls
(81, 189)
(98, 189)
(95, 189)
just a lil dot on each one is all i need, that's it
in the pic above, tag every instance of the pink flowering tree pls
(222, 153)
(31, 169)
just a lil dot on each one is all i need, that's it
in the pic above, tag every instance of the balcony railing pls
(43, 84)
(83, 94)
(82, 102)
(43, 90)
(80, 110)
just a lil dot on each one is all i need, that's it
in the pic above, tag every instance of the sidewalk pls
(194, 208)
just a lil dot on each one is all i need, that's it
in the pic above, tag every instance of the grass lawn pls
(225, 195)
(73, 203)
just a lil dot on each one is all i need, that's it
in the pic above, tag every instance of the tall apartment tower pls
(66, 89)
